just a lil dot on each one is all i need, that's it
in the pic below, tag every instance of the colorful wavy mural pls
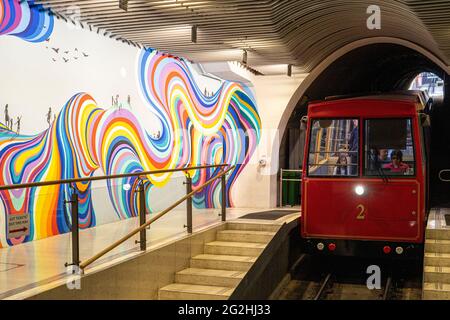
(196, 130)
(3, 127)
(25, 20)
(83, 139)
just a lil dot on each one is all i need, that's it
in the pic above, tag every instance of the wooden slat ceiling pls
(297, 32)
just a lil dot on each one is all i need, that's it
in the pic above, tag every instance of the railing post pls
(142, 213)
(188, 184)
(75, 229)
(224, 197)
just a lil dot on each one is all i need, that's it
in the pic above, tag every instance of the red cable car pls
(364, 180)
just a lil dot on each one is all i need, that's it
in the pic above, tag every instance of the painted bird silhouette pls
(56, 50)
(66, 52)
(65, 60)
(54, 59)
(86, 55)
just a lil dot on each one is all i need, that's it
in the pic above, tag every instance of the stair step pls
(435, 245)
(225, 262)
(253, 226)
(210, 277)
(180, 291)
(234, 248)
(436, 291)
(436, 274)
(437, 259)
(245, 236)
(437, 234)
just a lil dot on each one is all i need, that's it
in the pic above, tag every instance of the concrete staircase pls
(215, 274)
(436, 271)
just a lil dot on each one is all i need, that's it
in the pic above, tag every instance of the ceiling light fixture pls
(123, 4)
(244, 57)
(194, 34)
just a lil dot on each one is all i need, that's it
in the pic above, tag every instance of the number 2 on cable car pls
(361, 215)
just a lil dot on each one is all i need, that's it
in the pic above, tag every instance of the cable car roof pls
(416, 96)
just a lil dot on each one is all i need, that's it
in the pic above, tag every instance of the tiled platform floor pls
(37, 263)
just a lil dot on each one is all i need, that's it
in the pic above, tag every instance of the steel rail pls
(387, 289)
(323, 287)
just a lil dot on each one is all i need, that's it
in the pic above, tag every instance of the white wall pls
(255, 186)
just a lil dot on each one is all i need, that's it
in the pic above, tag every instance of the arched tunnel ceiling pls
(369, 69)
(297, 32)
(372, 68)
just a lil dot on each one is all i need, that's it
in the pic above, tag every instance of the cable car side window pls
(333, 147)
(389, 148)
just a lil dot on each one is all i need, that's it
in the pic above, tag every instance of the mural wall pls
(164, 117)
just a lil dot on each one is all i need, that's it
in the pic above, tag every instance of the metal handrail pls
(89, 261)
(114, 176)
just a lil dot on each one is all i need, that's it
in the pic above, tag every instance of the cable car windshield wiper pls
(382, 175)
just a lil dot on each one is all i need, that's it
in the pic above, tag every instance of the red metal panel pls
(366, 108)
(332, 209)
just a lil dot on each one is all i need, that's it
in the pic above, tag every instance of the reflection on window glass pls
(389, 148)
(333, 148)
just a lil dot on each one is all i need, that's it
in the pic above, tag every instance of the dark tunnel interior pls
(378, 68)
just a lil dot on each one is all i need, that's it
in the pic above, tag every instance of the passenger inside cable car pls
(341, 168)
(397, 164)
(393, 137)
(383, 155)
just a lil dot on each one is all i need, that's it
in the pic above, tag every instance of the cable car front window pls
(333, 147)
(389, 148)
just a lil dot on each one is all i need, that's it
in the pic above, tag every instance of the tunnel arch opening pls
(430, 83)
(369, 68)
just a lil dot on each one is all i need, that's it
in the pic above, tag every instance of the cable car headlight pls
(359, 190)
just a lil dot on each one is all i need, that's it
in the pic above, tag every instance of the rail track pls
(345, 278)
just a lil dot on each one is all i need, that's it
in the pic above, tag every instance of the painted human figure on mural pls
(118, 104)
(129, 101)
(6, 116)
(18, 124)
(49, 116)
